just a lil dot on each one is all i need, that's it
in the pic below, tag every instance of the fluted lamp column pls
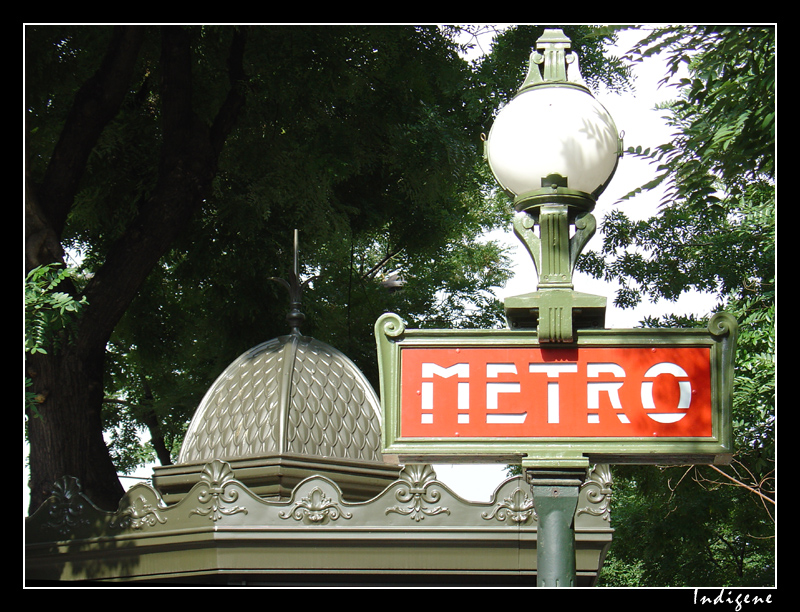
(554, 148)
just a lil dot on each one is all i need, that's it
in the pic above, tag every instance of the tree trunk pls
(68, 439)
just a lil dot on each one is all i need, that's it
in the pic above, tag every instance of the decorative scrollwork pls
(723, 324)
(145, 515)
(598, 492)
(419, 478)
(523, 228)
(68, 507)
(585, 227)
(217, 475)
(316, 508)
(391, 325)
(517, 508)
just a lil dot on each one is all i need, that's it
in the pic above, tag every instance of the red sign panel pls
(573, 392)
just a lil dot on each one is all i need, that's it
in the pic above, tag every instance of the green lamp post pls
(554, 147)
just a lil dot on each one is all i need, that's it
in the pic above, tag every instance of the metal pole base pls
(555, 498)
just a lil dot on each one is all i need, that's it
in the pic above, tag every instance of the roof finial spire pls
(295, 317)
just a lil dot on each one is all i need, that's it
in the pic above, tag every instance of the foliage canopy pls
(214, 143)
(714, 232)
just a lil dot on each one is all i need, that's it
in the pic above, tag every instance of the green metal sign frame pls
(393, 338)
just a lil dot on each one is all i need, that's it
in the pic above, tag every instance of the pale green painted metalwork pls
(554, 61)
(286, 408)
(393, 337)
(555, 496)
(280, 397)
(555, 309)
(415, 530)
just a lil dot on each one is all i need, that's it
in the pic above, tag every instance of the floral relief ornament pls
(315, 508)
(517, 508)
(69, 505)
(217, 475)
(419, 478)
(139, 514)
(598, 487)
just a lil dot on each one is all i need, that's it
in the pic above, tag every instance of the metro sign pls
(639, 396)
(546, 392)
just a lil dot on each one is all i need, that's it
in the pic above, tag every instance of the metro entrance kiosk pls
(289, 497)
(556, 391)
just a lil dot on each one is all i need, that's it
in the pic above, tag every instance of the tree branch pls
(229, 111)
(96, 103)
(187, 167)
(377, 267)
(741, 484)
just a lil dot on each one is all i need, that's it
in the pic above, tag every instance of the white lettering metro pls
(552, 371)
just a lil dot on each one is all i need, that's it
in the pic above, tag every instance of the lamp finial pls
(558, 66)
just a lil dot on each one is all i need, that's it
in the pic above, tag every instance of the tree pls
(714, 231)
(67, 438)
(178, 160)
(139, 156)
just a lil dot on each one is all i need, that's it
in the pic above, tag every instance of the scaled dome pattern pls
(292, 394)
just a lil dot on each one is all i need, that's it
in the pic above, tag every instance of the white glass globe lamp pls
(553, 141)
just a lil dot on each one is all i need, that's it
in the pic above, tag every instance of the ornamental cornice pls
(219, 498)
(220, 526)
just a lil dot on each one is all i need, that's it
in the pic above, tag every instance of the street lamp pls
(554, 148)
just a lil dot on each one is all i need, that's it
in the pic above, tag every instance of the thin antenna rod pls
(295, 317)
(296, 258)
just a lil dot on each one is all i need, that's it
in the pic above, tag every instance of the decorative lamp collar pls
(557, 65)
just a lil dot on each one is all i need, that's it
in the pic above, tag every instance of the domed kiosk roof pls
(286, 409)
(292, 394)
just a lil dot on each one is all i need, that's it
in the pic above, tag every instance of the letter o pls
(685, 387)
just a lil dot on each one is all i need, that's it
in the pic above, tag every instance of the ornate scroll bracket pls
(551, 270)
(558, 64)
(555, 309)
(517, 508)
(139, 514)
(598, 492)
(216, 477)
(315, 508)
(419, 478)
